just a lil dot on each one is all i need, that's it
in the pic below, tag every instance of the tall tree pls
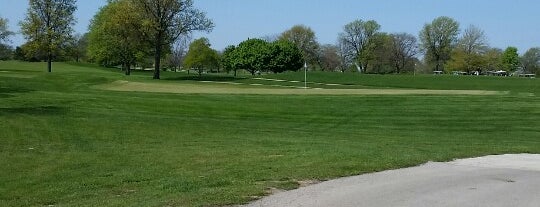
(166, 20)
(5, 49)
(356, 37)
(179, 51)
(48, 24)
(531, 60)
(79, 47)
(114, 37)
(345, 59)
(304, 38)
(473, 41)
(201, 57)
(404, 49)
(438, 38)
(493, 58)
(330, 59)
(379, 54)
(253, 55)
(462, 60)
(229, 61)
(6, 52)
(469, 54)
(510, 59)
(4, 31)
(285, 55)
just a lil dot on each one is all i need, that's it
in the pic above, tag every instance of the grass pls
(65, 143)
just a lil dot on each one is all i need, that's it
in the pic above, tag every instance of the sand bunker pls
(217, 88)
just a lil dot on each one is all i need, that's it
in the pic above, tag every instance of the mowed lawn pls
(65, 142)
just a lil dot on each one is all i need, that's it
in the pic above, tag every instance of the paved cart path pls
(502, 180)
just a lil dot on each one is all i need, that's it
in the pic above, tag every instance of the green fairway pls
(68, 139)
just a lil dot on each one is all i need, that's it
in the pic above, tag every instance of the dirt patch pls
(212, 88)
(305, 183)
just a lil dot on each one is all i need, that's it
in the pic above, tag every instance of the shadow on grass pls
(6, 92)
(4, 89)
(37, 111)
(206, 78)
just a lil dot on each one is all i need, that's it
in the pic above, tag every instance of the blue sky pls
(506, 23)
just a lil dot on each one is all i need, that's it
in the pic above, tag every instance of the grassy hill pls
(66, 142)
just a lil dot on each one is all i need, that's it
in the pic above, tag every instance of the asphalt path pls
(501, 180)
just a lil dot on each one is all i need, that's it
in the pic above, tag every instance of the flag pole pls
(305, 75)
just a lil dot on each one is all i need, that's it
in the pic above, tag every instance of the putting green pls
(221, 88)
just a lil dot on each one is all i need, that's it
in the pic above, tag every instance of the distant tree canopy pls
(438, 38)
(164, 21)
(284, 56)
(329, 58)
(356, 39)
(404, 48)
(48, 27)
(78, 48)
(229, 60)
(531, 60)
(510, 59)
(5, 50)
(114, 36)
(4, 31)
(201, 57)
(304, 38)
(144, 33)
(256, 55)
(469, 53)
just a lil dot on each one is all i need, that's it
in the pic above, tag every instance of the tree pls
(47, 26)
(330, 58)
(200, 56)
(229, 61)
(166, 20)
(404, 48)
(5, 50)
(18, 54)
(510, 59)
(114, 37)
(4, 31)
(469, 54)
(493, 58)
(79, 47)
(462, 60)
(438, 38)
(304, 38)
(345, 59)
(378, 54)
(285, 55)
(102, 42)
(355, 40)
(256, 55)
(179, 51)
(473, 41)
(253, 55)
(531, 60)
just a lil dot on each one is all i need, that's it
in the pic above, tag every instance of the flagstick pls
(305, 75)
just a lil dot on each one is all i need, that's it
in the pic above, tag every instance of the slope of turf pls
(64, 143)
(441, 82)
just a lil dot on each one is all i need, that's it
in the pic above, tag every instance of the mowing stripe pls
(315, 83)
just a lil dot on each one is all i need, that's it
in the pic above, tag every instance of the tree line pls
(157, 33)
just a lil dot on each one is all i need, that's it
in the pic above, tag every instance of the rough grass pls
(65, 143)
